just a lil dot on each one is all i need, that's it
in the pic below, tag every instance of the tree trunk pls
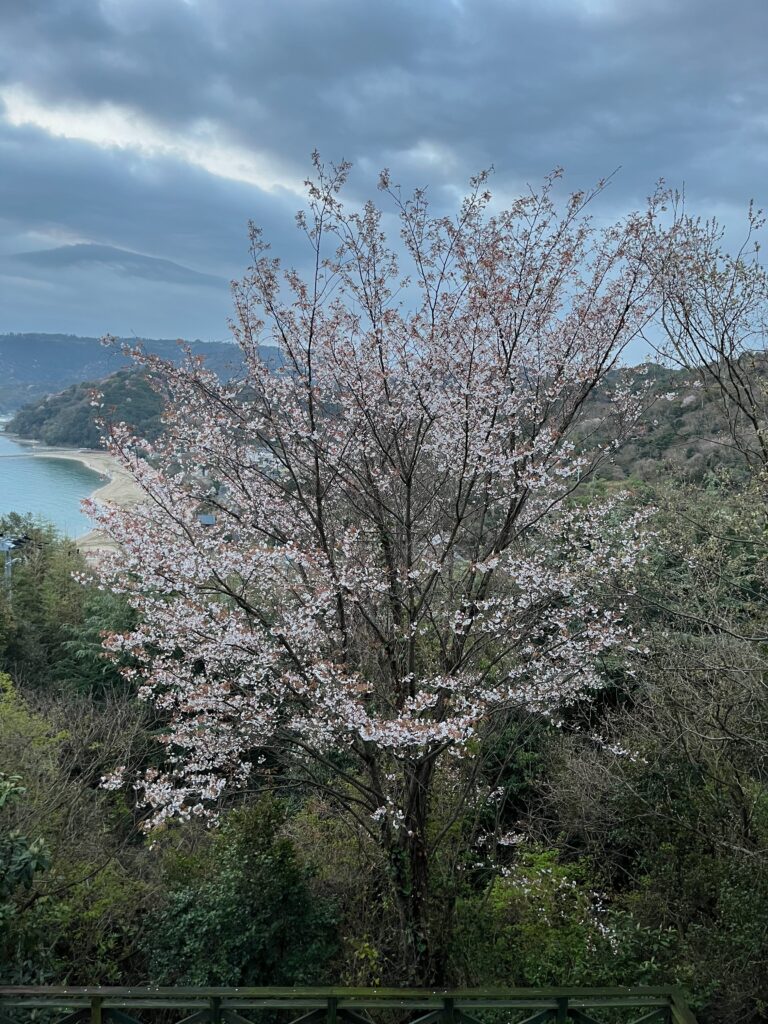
(410, 875)
(410, 862)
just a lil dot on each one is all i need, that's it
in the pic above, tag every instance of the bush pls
(242, 913)
(534, 926)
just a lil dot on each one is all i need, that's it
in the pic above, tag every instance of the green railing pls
(348, 1005)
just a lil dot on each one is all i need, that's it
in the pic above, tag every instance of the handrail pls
(107, 1005)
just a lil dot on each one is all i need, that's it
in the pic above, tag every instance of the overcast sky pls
(162, 126)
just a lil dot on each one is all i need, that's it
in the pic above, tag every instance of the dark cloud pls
(435, 89)
(159, 206)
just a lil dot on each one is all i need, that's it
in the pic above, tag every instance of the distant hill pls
(35, 365)
(121, 261)
(67, 419)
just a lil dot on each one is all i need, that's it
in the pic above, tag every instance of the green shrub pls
(536, 925)
(245, 913)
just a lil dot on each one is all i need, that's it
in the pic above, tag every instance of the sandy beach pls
(119, 487)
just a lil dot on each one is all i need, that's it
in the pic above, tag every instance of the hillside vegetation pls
(682, 430)
(68, 419)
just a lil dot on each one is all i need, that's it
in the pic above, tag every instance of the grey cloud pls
(160, 207)
(677, 90)
(658, 88)
(57, 191)
(95, 299)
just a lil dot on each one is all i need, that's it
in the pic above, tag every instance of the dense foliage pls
(639, 858)
(608, 831)
(69, 418)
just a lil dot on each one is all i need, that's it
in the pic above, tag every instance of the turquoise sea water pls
(46, 487)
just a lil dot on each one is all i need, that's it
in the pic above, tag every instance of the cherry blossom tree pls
(394, 559)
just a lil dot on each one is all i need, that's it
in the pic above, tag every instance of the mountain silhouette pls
(120, 261)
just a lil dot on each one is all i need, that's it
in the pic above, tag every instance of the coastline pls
(119, 487)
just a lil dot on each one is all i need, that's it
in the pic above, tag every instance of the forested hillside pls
(68, 418)
(682, 428)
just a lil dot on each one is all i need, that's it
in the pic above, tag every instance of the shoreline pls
(117, 486)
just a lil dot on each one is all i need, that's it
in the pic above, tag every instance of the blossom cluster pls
(374, 546)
